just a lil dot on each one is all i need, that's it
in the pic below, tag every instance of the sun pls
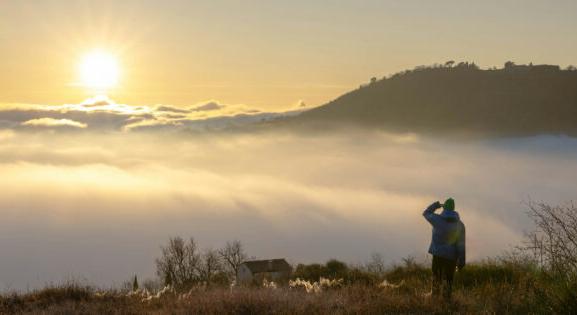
(99, 70)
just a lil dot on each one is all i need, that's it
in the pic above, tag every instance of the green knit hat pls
(449, 204)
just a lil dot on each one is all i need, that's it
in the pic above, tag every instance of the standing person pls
(447, 245)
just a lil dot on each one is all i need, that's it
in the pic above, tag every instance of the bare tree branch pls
(553, 243)
(233, 256)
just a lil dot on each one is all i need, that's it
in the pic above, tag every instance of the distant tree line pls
(509, 65)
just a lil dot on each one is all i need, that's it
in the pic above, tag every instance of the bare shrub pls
(232, 255)
(210, 266)
(553, 243)
(376, 264)
(179, 263)
(553, 246)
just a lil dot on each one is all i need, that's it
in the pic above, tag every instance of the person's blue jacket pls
(448, 239)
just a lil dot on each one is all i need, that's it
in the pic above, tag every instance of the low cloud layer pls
(102, 114)
(96, 207)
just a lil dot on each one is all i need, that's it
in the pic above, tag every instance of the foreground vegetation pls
(500, 286)
(537, 278)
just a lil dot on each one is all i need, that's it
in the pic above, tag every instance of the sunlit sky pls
(268, 54)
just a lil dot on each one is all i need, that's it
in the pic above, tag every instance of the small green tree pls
(336, 269)
(135, 283)
(509, 65)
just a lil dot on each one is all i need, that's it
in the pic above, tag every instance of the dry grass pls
(521, 295)
(490, 287)
(349, 300)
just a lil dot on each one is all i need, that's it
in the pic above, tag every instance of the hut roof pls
(270, 265)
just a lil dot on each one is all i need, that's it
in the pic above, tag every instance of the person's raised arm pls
(429, 213)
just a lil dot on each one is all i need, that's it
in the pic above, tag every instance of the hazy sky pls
(268, 54)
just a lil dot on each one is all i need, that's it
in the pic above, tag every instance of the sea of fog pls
(96, 207)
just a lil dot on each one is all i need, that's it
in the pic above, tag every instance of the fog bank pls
(98, 206)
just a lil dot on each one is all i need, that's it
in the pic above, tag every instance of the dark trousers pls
(443, 272)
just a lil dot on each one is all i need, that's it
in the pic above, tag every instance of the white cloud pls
(151, 124)
(51, 122)
(171, 109)
(208, 106)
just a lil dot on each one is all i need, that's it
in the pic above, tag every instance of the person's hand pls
(436, 205)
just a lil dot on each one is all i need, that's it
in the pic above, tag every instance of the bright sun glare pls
(99, 70)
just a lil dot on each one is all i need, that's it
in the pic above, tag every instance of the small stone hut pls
(255, 271)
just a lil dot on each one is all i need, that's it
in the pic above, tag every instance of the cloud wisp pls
(51, 122)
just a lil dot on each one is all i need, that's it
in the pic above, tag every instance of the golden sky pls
(267, 54)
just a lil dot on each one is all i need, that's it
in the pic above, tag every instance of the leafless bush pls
(376, 264)
(553, 243)
(232, 255)
(182, 265)
(210, 266)
(179, 262)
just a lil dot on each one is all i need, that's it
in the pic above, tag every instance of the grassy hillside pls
(514, 100)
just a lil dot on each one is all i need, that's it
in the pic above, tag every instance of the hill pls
(514, 100)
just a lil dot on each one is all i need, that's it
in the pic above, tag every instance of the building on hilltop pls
(511, 66)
